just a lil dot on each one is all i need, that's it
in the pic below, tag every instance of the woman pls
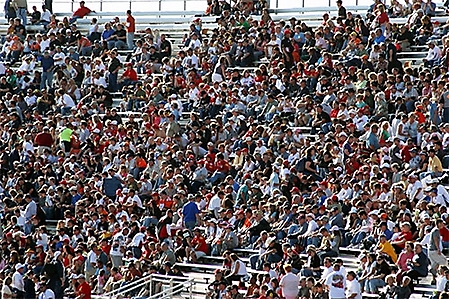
(238, 269)
(309, 164)
(220, 70)
(404, 258)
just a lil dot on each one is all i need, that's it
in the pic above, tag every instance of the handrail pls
(176, 284)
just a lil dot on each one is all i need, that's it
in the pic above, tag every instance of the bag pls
(301, 165)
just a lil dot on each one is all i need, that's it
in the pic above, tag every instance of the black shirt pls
(165, 45)
(114, 64)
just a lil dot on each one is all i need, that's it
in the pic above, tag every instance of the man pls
(114, 67)
(199, 246)
(436, 256)
(45, 293)
(353, 290)
(341, 9)
(130, 29)
(289, 283)
(433, 55)
(80, 13)
(18, 284)
(48, 65)
(336, 283)
(372, 142)
(191, 213)
(30, 211)
(20, 7)
(235, 293)
(84, 291)
(376, 278)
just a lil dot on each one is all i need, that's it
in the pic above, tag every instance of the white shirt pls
(289, 284)
(30, 100)
(441, 283)
(353, 287)
(48, 294)
(100, 82)
(45, 44)
(59, 56)
(360, 122)
(336, 283)
(433, 54)
(17, 281)
(412, 191)
(193, 61)
(194, 44)
(66, 101)
(46, 15)
(138, 238)
(214, 203)
(135, 199)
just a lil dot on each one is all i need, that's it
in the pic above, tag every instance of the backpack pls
(301, 165)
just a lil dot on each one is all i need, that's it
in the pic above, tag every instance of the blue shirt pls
(107, 33)
(75, 199)
(373, 140)
(47, 63)
(190, 210)
(388, 233)
(379, 39)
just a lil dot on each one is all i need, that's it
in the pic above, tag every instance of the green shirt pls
(66, 134)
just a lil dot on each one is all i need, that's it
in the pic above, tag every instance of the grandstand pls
(175, 24)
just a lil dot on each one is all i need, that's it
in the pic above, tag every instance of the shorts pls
(199, 254)
(437, 259)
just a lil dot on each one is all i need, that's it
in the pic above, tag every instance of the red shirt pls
(222, 166)
(200, 241)
(44, 139)
(444, 232)
(130, 74)
(84, 288)
(106, 249)
(81, 12)
(407, 236)
(130, 24)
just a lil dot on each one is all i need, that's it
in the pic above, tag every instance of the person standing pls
(17, 281)
(114, 67)
(289, 283)
(20, 6)
(130, 29)
(190, 213)
(436, 256)
(48, 65)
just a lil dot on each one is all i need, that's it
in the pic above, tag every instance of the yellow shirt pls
(435, 164)
(388, 249)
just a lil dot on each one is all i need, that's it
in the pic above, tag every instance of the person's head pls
(418, 248)
(351, 276)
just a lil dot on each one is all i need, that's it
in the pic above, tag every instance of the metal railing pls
(158, 286)
(183, 6)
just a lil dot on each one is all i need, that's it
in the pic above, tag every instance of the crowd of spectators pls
(291, 140)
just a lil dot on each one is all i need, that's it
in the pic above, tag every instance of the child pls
(101, 281)
(391, 288)
(441, 281)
